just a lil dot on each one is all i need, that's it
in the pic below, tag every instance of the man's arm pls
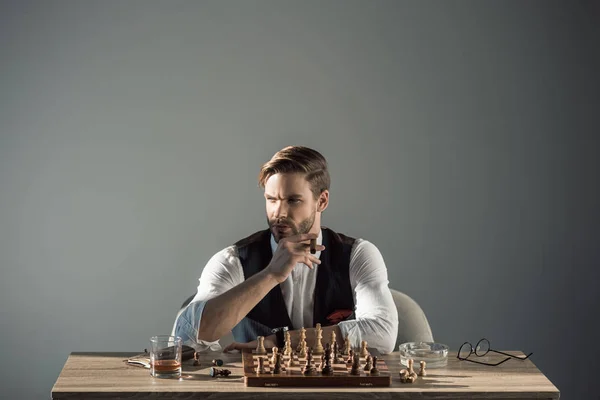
(376, 314)
(224, 311)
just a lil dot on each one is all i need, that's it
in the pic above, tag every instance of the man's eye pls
(294, 201)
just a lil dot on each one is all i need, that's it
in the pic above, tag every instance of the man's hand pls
(290, 251)
(269, 344)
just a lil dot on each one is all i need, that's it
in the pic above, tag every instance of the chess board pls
(293, 376)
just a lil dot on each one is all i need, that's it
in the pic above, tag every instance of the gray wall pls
(461, 139)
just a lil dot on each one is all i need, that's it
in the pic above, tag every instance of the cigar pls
(313, 246)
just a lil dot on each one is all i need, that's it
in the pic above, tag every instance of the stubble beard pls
(303, 227)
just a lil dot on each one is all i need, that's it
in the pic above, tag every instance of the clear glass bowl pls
(434, 354)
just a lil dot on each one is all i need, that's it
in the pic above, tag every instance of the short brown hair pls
(298, 159)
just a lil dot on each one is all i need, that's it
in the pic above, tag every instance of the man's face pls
(291, 206)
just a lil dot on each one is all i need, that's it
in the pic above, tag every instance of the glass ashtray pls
(434, 354)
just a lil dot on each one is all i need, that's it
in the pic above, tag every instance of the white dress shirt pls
(376, 315)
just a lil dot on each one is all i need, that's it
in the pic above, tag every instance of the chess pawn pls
(260, 348)
(422, 371)
(332, 338)
(369, 364)
(363, 349)
(275, 351)
(260, 369)
(303, 348)
(196, 359)
(290, 362)
(288, 344)
(301, 340)
(374, 370)
(347, 346)
(318, 347)
(276, 363)
(355, 370)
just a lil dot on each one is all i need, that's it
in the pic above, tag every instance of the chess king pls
(294, 274)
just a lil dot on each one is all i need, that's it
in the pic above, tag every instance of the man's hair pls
(298, 159)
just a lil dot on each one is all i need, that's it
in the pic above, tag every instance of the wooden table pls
(106, 376)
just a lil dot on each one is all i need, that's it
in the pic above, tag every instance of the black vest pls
(332, 290)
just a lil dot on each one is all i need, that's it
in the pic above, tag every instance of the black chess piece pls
(336, 357)
(374, 370)
(355, 370)
(214, 372)
(196, 359)
(217, 362)
(369, 364)
(276, 363)
(350, 357)
(327, 368)
(309, 368)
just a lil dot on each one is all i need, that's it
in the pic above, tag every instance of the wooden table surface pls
(106, 376)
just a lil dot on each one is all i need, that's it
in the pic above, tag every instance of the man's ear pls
(323, 201)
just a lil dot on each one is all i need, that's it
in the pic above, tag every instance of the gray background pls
(462, 140)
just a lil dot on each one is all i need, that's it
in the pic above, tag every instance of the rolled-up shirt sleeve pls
(222, 272)
(376, 314)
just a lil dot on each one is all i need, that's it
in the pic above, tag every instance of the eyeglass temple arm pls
(483, 363)
(510, 355)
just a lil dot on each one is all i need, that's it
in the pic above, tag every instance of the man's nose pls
(281, 210)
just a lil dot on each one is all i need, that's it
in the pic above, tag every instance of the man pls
(270, 282)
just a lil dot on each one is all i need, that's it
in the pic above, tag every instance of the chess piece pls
(403, 375)
(288, 344)
(260, 369)
(374, 370)
(350, 356)
(332, 338)
(336, 358)
(369, 364)
(260, 348)
(412, 375)
(274, 351)
(214, 372)
(301, 340)
(290, 362)
(347, 346)
(217, 362)
(196, 359)
(422, 371)
(276, 363)
(303, 349)
(363, 349)
(355, 370)
(309, 368)
(327, 369)
(318, 347)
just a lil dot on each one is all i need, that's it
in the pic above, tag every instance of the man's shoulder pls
(255, 237)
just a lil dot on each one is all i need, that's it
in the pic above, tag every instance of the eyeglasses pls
(480, 350)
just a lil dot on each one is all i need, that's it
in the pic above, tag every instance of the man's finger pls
(302, 237)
